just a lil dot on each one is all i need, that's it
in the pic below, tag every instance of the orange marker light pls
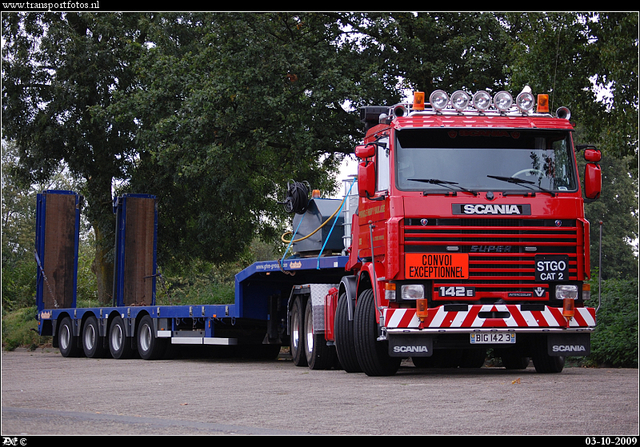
(568, 308)
(543, 103)
(422, 311)
(418, 101)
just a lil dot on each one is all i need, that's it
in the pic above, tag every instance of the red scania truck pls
(463, 231)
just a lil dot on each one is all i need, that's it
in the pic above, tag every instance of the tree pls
(233, 106)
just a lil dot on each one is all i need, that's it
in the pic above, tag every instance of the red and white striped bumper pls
(472, 319)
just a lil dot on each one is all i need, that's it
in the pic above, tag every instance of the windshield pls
(484, 160)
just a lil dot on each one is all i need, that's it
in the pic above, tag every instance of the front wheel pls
(373, 355)
(344, 337)
(542, 361)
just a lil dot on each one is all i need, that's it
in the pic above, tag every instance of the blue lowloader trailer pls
(272, 298)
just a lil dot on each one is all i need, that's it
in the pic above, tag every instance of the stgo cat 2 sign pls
(552, 268)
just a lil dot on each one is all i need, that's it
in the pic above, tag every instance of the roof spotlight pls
(503, 101)
(439, 99)
(525, 102)
(459, 100)
(482, 100)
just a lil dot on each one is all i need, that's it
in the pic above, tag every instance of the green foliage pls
(19, 328)
(615, 340)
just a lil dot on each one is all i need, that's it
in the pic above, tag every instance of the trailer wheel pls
(343, 336)
(319, 355)
(543, 362)
(373, 355)
(67, 343)
(119, 343)
(149, 346)
(92, 343)
(297, 333)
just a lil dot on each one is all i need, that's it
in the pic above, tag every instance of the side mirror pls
(366, 179)
(365, 151)
(593, 155)
(592, 180)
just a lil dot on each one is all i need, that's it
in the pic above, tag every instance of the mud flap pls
(410, 346)
(568, 345)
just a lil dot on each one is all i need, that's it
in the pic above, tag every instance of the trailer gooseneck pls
(464, 231)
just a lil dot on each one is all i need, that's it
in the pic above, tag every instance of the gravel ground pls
(44, 393)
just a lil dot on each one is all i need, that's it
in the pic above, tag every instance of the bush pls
(615, 340)
(20, 328)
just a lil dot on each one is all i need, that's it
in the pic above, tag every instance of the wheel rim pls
(90, 337)
(116, 337)
(308, 327)
(145, 337)
(65, 337)
(295, 331)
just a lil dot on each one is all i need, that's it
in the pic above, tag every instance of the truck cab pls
(470, 230)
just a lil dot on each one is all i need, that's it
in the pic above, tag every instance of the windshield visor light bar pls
(482, 102)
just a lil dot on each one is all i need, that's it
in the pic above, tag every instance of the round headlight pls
(459, 100)
(525, 102)
(482, 100)
(503, 101)
(439, 99)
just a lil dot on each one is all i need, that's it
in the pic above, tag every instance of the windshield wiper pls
(445, 183)
(522, 182)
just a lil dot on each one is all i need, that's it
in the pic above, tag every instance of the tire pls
(150, 347)
(473, 358)
(344, 337)
(318, 354)
(92, 343)
(119, 343)
(67, 343)
(297, 333)
(543, 362)
(512, 359)
(373, 355)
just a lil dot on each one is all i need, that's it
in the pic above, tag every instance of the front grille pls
(501, 251)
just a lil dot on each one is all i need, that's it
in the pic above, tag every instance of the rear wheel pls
(92, 343)
(343, 336)
(149, 346)
(297, 332)
(373, 355)
(119, 343)
(67, 343)
(319, 355)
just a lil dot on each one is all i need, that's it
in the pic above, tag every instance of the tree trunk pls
(102, 219)
(103, 266)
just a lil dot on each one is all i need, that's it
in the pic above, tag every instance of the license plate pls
(489, 338)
